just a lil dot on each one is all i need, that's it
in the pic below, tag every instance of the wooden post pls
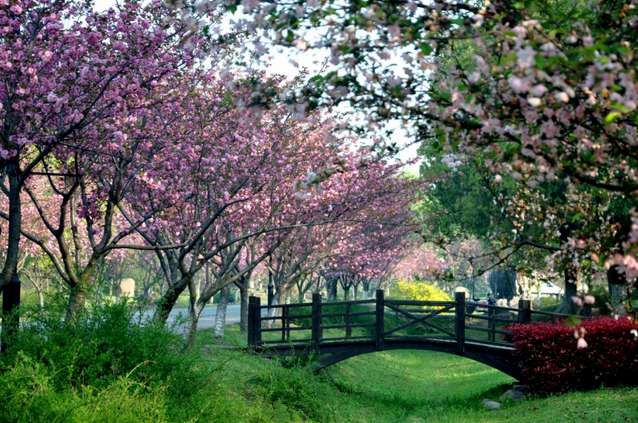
(251, 321)
(491, 325)
(378, 338)
(348, 328)
(257, 320)
(316, 322)
(284, 315)
(460, 322)
(524, 311)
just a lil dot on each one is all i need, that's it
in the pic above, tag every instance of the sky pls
(311, 60)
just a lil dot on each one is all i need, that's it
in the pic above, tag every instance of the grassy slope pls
(399, 386)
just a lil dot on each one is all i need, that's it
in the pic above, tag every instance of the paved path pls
(207, 318)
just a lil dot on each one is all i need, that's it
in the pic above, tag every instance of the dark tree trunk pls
(568, 306)
(503, 283)
(616, 281)
(167, 302)
(77, 300)
(194, 311)
(331, 287)
(346, 292)
(15, 224)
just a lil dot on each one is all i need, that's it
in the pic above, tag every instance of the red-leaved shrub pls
(549, 358)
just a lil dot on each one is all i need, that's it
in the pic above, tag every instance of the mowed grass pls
(416, 386)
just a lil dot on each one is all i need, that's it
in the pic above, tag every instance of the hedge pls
(548, 355)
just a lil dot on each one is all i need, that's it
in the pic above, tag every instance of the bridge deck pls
(335, 331)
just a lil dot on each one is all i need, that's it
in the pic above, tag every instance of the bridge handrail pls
(421, 303)
(549, 313)
(411, 317)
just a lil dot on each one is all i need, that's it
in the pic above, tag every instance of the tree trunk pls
(568, 306)
(616, 281)
(366, 289)
(503, 283)
(15, 224)
(166, 304)
(332, 292)
(77, 300)
(243, 316)
(194, 311)
(220, 317)
(273, 311)
(41, 298)
(346, 293)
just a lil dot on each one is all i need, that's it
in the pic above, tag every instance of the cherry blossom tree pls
(540, 90)
(69, 75)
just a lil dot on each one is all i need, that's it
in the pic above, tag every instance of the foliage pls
(553, 362)
(102, 345)
(29, 394)
(422, 291)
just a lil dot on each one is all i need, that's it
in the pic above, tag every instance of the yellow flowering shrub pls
(422, 291)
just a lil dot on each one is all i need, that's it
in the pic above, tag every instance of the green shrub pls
(29, 395)
(104, 344)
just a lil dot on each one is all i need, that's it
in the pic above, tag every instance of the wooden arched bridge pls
(335, 331)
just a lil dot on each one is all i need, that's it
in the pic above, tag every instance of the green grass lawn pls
(410, 386)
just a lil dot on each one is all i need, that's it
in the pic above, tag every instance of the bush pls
(108, 349)
(29, 394)
(548, 355)
(422, 291)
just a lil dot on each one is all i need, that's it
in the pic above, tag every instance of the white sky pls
(311, 60)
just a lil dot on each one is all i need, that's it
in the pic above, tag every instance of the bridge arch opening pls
(492, 360)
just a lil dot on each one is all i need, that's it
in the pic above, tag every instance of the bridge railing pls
(381, 320)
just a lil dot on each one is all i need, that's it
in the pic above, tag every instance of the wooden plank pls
(496, 319)
(346, 339)
(460, 322)
(420, 303)
(336, 303)
(423, 310)
(489, 331)
(547, 313)
(411, 315)
(289, 328)
(524, 311)
(417, 319)
(304, 340)
(251, 321)
(257, 305)
(379, 326)
(294, 305)
(363, 313)
(484, 342)
(491, 325)
(348, 329)
(284, 315)
(380, 305)
(316, 322)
